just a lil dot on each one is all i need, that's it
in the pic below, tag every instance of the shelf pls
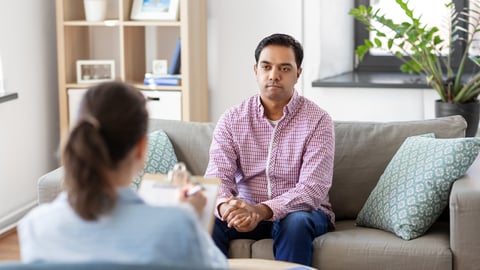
(158, 87)
(137, 85)
(124, 23)
(86, 23)
(7, 96)
(152, 23)
(373, 80)
(133, 45)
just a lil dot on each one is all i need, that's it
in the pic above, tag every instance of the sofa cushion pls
(353, 247)
(363, 150)
(413, 191)
(160, 156)
(241, 248)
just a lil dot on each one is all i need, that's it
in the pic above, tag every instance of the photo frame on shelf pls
(159, 66)
(95, 71)
(166, 10)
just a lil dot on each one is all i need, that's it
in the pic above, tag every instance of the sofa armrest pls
(50, 185)
(465, 219)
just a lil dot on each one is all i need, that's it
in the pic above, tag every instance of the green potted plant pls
(419, 46)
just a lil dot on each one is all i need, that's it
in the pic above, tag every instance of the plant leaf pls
(475, 59)
(368, 43)
(390, 43)
(361, 51)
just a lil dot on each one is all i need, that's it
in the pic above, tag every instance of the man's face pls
(276, 73)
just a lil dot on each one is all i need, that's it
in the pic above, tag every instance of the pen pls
(194, 190)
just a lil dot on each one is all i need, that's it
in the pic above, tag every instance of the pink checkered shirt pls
(288, 167)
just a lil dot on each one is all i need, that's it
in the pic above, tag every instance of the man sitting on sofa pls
(274, 155)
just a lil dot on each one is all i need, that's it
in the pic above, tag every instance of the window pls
(431, 10)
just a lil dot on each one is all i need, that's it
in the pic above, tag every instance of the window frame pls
(387, 63)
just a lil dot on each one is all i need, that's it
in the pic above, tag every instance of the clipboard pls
(156, 189)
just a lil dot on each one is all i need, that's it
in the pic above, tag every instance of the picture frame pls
(159, 67)
(95, 71)
(166, 10)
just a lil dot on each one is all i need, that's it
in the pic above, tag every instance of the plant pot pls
(469, 111)
(95, 10)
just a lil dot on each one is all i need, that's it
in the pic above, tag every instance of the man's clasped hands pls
(243, 216)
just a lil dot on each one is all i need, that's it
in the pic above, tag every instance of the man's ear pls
(299, 71)
(255, 68)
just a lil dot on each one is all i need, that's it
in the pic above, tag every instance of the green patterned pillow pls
(160, 157)
(414, 188)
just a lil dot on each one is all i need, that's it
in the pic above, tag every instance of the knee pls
(298, 222)
(300, 218)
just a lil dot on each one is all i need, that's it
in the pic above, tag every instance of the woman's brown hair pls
(112, 120)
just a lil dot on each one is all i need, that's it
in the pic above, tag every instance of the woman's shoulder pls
(55, 207)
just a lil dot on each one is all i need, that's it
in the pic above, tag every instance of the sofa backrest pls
(190, 140)
(362, 152)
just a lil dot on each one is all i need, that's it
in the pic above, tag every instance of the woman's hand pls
(197, 200)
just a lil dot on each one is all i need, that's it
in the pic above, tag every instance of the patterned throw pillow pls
(160, 158)
(414, 188)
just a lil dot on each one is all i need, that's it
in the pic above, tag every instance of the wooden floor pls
(9, 250)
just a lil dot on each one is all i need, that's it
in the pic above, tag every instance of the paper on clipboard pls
(156, 190)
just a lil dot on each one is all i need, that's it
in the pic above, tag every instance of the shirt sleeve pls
(315, 178)
(223, 161)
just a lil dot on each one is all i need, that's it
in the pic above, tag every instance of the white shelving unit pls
(133, 45)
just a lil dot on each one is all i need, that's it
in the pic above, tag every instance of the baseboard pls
(10, 221)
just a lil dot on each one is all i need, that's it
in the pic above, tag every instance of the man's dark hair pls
(281, 40)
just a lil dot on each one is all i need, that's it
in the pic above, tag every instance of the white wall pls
(29, 124)
(328, 43)
(376, 104)
(328, 39)
(234, 30)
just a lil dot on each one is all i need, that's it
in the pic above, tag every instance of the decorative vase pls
(95, 10)
(469, 111)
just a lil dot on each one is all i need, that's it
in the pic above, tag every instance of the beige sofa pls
(363, 150)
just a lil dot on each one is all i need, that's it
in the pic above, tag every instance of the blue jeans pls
(292, 236)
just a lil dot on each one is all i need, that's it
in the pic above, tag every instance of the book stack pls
(162, 80)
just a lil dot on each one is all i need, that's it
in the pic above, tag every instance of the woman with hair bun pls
(99, 218)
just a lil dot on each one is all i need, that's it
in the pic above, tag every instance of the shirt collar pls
(128, 195)
(292, 105)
